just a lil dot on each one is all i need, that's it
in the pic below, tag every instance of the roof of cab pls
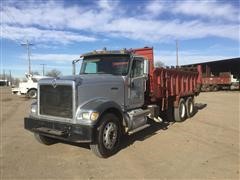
(107, 52)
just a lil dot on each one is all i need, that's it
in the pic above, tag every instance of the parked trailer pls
(225, 80)
(116, 93)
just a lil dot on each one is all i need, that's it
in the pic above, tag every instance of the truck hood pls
(87, 79)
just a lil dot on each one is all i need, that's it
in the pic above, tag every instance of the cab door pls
(137, 85)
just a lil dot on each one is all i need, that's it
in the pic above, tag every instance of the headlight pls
(86, 115)
(93, 116)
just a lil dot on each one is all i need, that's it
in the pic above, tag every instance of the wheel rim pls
(182, 110)
(110, 135)
(33, 94)
(190, 107)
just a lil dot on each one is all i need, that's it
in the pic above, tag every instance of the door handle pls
(132, 84)
(114, 88)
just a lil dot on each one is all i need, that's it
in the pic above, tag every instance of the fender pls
(101, 105)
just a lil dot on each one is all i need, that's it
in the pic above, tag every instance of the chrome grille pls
(56, 101)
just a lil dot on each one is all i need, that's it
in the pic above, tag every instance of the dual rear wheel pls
(184, 110)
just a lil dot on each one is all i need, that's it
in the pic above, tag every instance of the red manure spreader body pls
(167, 86)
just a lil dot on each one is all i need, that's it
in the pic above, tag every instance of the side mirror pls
(146, 67)
(74, 65)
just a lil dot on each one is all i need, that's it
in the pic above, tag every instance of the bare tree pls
(35, 73)
(54, 73)
(159, 64)
(14, 81)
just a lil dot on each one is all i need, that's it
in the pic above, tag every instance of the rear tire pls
(32, 93)
(215, 88)
(44, 140)
(208, 88)
(190, 107)
(180, 111)
(107, 138)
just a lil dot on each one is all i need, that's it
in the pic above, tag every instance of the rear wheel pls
(203, 88)
(215, 88)
(107, 137)
(32, 93)
(190, 107)
(207, 88)
(43, 139)
(180, 111)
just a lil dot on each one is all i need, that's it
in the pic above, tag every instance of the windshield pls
(116, 65)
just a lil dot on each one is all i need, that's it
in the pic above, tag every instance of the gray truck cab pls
(105, 100)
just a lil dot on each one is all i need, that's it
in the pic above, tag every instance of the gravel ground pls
(203, 147)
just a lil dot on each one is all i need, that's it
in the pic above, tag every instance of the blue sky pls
(62, 30)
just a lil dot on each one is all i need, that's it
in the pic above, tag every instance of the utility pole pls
(4, 75)
(43, 69)
(10, 77)
(176, 52)
(27, 44)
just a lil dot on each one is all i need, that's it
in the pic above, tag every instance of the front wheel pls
(107, 136)
(44, 140)
(32, 93)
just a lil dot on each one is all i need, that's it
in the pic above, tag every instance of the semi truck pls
(225, 80)
(116, 93)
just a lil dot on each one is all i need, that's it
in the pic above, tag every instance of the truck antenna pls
(176, 52)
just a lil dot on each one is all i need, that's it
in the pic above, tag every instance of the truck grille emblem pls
(54, 83)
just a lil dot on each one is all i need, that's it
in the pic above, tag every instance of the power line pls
(27, 44)
(12, 20)
(10, 16)
(8, 32)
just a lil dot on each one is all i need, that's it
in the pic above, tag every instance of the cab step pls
(138, 129)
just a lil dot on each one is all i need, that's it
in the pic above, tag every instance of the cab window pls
(137, 67)
(91, 67)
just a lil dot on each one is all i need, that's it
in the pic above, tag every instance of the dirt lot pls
(205, 146)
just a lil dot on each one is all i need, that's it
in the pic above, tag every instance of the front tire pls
(180, 111)
(44, 140)
(32, 93)
(107, 138)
